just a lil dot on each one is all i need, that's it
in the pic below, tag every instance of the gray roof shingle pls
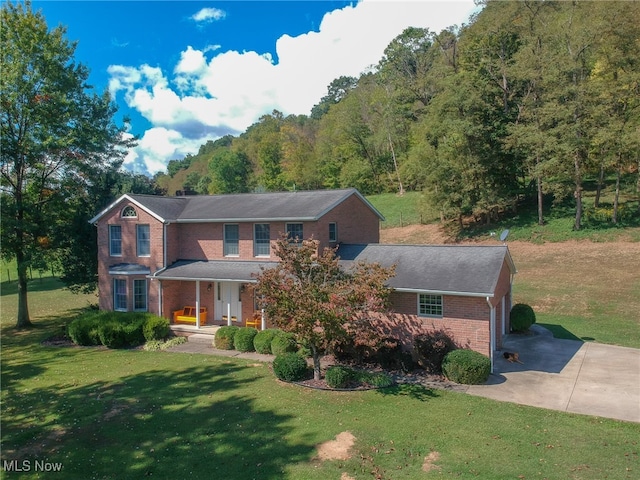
(460, 269)
(214, 270)
(282, 206)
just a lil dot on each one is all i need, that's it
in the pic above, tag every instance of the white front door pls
(228, 302)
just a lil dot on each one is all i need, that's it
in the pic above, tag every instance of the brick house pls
(160, 254)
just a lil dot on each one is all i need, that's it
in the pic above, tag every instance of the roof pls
(242, 207)
(214, 270)
(442, 269)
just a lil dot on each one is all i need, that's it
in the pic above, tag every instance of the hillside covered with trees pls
(525, 104)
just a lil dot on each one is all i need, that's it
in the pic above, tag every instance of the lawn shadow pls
(412, 390)
(191, 423)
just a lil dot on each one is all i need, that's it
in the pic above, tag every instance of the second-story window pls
(294, 231)
(115, 240)
(261, 240)
(143, 240)
(231, 240)
(333, 232)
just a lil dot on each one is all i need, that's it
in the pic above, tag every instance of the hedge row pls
(248, 339)
(117, 329)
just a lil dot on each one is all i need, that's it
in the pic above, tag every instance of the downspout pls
(492, 331)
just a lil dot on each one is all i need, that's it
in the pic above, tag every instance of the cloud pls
(208, 15)
(207, 96)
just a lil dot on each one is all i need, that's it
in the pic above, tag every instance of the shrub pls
(262, 340)
(243, 339)
(376, 379)
(290, 367)
(84, 330)
(339, 376)
(430, 349)
(224, 337)
(467, 367)
(112, 335)
(522, 317)
(157, 345)
(283, 342)
(155, 328)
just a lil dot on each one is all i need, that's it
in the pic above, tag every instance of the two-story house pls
(160, 254)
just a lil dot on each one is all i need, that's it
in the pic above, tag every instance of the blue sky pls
(186, 72)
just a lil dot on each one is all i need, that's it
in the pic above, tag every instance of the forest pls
(523, 105)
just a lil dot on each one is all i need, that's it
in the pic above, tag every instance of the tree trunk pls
(23, 320)
(616, 198)
(395, 165)
(578, 192)
(596, 203)
(540, 199)
(316, 362)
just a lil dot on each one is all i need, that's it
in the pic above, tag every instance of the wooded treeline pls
(525, 102)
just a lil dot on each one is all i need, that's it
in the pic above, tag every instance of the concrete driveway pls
(567, 375)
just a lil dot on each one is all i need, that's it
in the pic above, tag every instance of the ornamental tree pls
(312, 296)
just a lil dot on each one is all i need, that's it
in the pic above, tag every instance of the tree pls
(229, 172)
(311, 296)
(56, 135)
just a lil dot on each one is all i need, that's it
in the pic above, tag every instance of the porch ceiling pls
(213, 270)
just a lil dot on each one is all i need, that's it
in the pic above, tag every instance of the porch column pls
(492, 331)
(229, 312)
(263, 325)
(197, 303)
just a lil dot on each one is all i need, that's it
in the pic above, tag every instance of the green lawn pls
(130, 414)
(400, 211)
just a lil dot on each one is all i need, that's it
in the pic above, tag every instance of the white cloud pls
(208, 15)
(206, 99)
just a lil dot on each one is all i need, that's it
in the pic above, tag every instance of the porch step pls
(201, 338)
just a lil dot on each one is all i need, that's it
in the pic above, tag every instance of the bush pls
(467, 367)
(376, 379)
(224, 337)
(262, 340)
(430, 349)
(522, 317)
(339, 376)
(283, 342)
(290, 367)
(157, 345)
(84, 330)
(243, 339)
(112, 335)
(155, 328)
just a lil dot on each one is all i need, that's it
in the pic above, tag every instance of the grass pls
(400, 211)
(127, 414)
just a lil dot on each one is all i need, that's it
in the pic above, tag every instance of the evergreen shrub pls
(262, 340)
(339, 376)
(430, 349)
(522, 317)
(224, 337)
(283, 342)
(290, 367)
(466, 366)
(155, 328)
(243, 339)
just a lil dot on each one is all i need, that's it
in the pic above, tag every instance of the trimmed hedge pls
(111, 329)
(283, 342)
(224, 337)
(156, 328)
(522, 317)
(262, 340)
(290, 367)
(430, 349)
(243, 339)
(466, 366)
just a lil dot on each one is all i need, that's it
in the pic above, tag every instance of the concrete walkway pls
(567, 375)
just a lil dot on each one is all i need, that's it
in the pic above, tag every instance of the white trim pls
(443, 292)
(425, 315)
(116, 202)
(492, 331)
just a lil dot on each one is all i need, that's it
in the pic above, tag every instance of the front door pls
(228, 302)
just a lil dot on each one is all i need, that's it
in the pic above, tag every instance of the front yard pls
(130, 413)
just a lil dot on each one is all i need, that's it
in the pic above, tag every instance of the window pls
(115, 240)
(129, 212)
(231, 240)
(140, 295)
(430, 305)
(261, 243)
(294, 231)
(143, 240)
(333, 232)
(119, 294)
